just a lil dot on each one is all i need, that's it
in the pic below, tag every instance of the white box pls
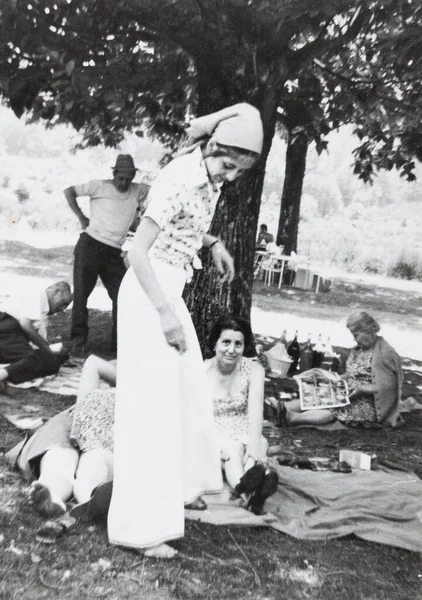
(357, 460)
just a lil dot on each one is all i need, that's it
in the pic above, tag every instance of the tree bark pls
(288, 224)
(236, 222)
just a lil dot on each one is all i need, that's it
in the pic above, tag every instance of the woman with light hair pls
(374, 376)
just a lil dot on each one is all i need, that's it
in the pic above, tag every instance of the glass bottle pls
(278, 349)
(328, 350)
(318, 353)
(306, 356)
(293, 350)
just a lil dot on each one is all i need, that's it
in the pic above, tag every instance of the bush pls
(22, 193)
(407, 268)
(374, 265)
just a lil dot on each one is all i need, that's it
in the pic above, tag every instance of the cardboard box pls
(303, 279)
(357, 460)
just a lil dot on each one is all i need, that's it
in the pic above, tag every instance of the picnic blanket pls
(65, 382)
(383, 506)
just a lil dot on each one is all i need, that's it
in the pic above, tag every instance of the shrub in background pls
(407, 267)
(374, 265)
(22, 193)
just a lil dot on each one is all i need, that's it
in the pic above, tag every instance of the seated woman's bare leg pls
(295, 416)
(95, 467)
(55, 484)
(233, 453)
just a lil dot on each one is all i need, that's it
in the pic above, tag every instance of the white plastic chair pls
(270, 267)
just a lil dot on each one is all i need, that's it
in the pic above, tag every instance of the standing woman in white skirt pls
(166, 453)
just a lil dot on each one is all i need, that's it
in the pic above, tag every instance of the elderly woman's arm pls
(255, 412)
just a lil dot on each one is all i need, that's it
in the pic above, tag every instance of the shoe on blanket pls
(97, 505)
(250, 481)
(267, 488)
(198, 504)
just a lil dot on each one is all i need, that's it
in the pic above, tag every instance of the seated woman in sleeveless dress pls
(237, 388)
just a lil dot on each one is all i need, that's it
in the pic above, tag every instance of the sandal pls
(51, 531)
(198, 504)
(264, 491)
(249, 482)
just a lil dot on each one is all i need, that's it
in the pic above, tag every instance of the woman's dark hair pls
(234, 324)
(215, 149)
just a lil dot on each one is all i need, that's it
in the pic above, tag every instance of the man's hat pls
(124, 162)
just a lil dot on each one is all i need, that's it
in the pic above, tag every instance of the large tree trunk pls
(288, 224)
(235, 221)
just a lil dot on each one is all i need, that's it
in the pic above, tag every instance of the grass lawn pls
(224, 563)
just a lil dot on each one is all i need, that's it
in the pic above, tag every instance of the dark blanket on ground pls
(383, 506)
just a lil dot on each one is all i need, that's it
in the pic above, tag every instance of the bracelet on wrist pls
(214, 243)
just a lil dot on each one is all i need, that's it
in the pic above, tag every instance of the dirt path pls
(396, 304)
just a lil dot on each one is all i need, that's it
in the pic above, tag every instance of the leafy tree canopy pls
(106, 67)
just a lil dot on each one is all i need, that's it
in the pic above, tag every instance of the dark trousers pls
(26, 363)
(94, 259)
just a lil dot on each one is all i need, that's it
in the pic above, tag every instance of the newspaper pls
(322, 389)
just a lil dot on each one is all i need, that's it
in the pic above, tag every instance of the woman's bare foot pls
(163, 551)
(41, 499)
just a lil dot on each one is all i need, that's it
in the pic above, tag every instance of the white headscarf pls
(239, 126)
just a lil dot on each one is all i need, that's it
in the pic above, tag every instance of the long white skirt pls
(166, 451)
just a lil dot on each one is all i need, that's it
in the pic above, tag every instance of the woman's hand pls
(223, 262)
(173, 330)
(360, 392)
(255, 454)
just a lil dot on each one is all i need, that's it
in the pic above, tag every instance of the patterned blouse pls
(231, 412)
(358, 373)
(182, 202)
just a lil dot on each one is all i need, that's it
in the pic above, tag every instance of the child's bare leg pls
(95, 467)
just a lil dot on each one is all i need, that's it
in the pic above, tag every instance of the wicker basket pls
(279, 366)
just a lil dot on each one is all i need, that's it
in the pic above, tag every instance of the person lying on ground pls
(23, 325)
(237, 388)
(374, 376)
(72, 453)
